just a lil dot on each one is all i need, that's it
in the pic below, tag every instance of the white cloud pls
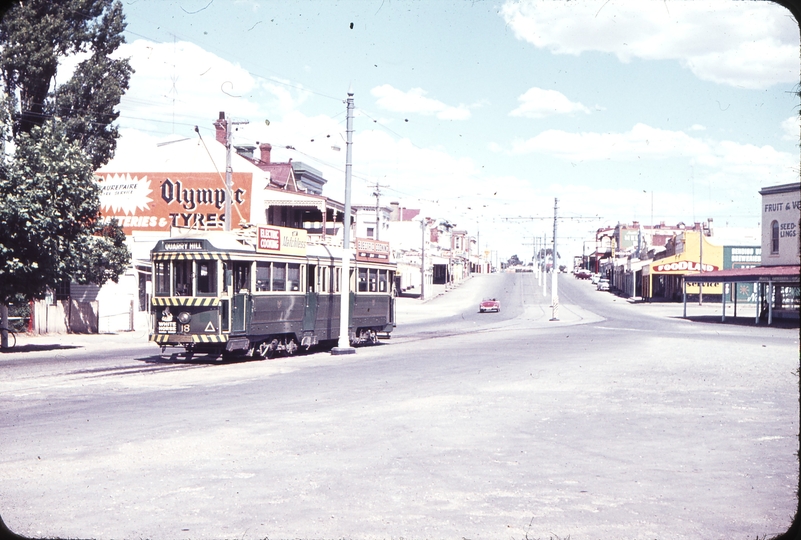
(697, 127)
(791, 128)
(715, 39)
(640, 142)
(415, 101)
(538, 103)
(181, 83)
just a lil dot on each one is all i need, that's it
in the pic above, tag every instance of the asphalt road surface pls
(617, 420)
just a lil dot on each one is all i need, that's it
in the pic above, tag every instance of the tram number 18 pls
(185, 329)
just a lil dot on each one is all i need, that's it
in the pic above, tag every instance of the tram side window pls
(182, 278)
(263, 276)
(337, 280)
(279, 276)
(241, 276)
(362, 279)
(373, 280)
(382, 281)
(162, 278)
(293, 277)
(207, 277)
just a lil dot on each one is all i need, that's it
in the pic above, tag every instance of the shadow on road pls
(739, 321)
(31, 347)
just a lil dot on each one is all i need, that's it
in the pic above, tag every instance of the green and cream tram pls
(265, 290)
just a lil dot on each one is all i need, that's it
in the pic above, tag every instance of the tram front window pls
(182, 275)
(162, 271)
(207, 277)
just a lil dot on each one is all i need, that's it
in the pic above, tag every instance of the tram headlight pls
(184, 317)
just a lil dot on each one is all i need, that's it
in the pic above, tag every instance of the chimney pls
(219, 126)
(394, 211)
(265, 149)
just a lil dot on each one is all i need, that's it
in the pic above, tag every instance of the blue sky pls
(483, 112)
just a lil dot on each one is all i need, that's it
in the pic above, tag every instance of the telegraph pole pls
(377, 194)
(228, 170)
(554, 267)
(343, 346)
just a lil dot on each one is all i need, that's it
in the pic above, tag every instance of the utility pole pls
(343, 346)
(423, 226)
(228, 169)
(544, 263)
(377, 194)
(554, 267)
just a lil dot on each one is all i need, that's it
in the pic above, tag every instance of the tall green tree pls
(55, 134)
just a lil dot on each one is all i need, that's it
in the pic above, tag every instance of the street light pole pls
(343, 346)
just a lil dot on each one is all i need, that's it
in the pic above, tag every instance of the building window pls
(370, 232)
(774, 238)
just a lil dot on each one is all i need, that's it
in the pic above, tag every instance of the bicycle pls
(12, 337)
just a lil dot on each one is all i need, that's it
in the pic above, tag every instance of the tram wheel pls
(291, 347)
(268, 349)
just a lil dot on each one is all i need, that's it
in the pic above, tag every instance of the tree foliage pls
(55, 135)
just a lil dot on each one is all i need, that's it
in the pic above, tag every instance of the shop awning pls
(790, 274)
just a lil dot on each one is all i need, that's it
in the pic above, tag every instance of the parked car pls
(489, 304)
(594, 279)
(603, 284)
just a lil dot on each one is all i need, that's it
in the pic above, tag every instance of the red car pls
(489, 304)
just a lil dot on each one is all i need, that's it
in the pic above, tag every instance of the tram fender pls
(237, 344)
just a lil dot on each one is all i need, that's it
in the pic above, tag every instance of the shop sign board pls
(159, 201)
(370, 250)
(682, 267)
(741, 256)
(281, 240)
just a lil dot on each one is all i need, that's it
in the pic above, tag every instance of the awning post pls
(770, 303)
(684, 295)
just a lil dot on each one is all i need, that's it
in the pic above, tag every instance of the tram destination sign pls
(370, 250)
(184, 245)
(282, 240)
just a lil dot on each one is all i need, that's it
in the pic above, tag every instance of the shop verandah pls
(778, 290)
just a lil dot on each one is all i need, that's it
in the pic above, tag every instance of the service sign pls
(369, 250)
(159, 201)
(282, 240)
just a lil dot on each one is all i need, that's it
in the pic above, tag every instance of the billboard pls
(159, 201)
(282, 240)
(370, 250)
